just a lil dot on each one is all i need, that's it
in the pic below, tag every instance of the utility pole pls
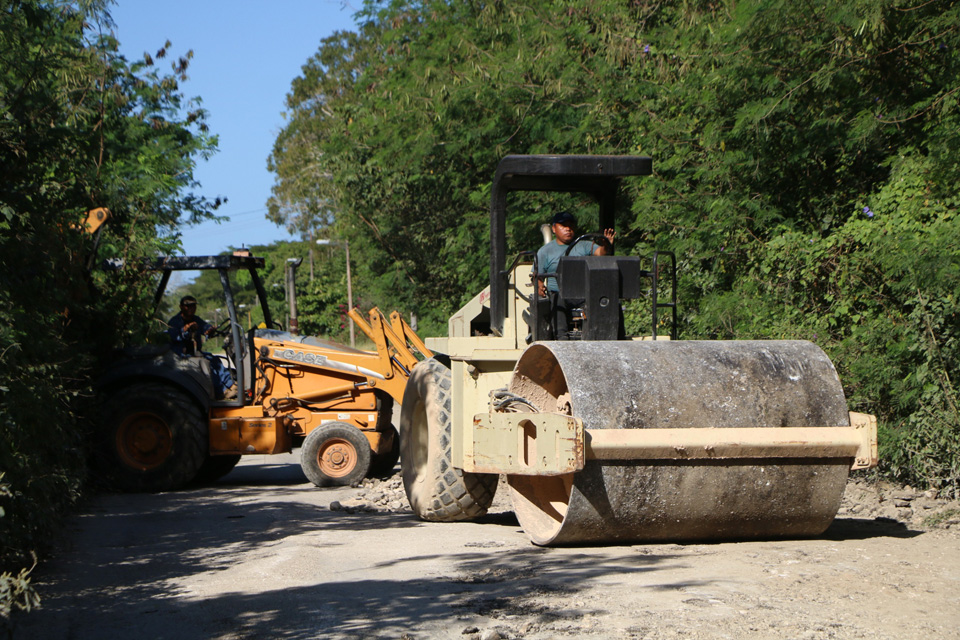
(291, 281)
(346, 245)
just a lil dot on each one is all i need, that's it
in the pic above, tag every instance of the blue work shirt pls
(548, 256)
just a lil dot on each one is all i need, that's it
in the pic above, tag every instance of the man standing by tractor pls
(564, 227)
(186, 331)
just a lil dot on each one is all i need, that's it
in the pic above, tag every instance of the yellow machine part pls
(271, 425)
(335, 402)
(302, 383)
(95, 218)
(636, 495)
(271, 435)
(323, 373)
(248, 435)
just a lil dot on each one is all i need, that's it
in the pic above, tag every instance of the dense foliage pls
(805, 159)
(80, 127)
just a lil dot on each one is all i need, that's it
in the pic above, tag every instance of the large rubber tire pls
(382, 465)
(153, 438)
(215, 467)
(335, 454)
(437, 491)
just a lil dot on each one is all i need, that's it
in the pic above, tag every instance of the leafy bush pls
(880, 295)
(79, 127)
(15, 590)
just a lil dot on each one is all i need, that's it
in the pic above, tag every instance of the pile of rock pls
(917, 508)
(376, 495)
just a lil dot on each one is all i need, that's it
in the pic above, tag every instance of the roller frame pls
(549, 444)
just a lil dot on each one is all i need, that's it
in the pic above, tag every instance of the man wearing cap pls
(186, 331)
(564, 227)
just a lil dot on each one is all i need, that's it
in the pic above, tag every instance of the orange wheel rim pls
(336, 458)
(144, 441)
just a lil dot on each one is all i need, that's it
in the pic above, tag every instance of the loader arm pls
(330, 372)
(354, 369)
(403, 329)
(396, 341)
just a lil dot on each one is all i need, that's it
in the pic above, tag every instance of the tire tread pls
(446, 494)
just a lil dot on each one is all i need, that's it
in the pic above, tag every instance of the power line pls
(246, 213)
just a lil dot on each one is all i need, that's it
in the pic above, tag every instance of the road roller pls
(606, 438)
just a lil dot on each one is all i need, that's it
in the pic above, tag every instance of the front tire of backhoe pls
(335, 454)
(437, 491)
(153, 438)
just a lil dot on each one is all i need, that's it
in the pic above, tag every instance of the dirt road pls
(262, 555)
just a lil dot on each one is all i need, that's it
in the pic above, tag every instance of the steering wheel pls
(219, 330)
(587, 236)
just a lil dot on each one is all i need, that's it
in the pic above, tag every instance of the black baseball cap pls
(565, 218)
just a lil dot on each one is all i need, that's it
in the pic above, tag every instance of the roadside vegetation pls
(80, 128)
(806, 173)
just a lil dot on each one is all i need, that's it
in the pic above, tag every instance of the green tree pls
(408, 119)
(817, 183)
(80, 127)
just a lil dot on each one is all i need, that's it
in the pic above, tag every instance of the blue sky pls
(246, 54)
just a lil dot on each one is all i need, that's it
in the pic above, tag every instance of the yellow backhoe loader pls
(164, 426)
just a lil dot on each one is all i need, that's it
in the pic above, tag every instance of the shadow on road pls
(505, 584)
(149, 564)
(863, 529)
(259, 554)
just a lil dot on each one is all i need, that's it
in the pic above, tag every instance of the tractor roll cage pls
(598, 176)
(224, 264)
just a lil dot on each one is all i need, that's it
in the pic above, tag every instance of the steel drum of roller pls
(682, 384)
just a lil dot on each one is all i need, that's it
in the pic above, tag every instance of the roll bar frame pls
(598, 176)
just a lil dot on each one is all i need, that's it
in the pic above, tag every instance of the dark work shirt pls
(187, 342)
